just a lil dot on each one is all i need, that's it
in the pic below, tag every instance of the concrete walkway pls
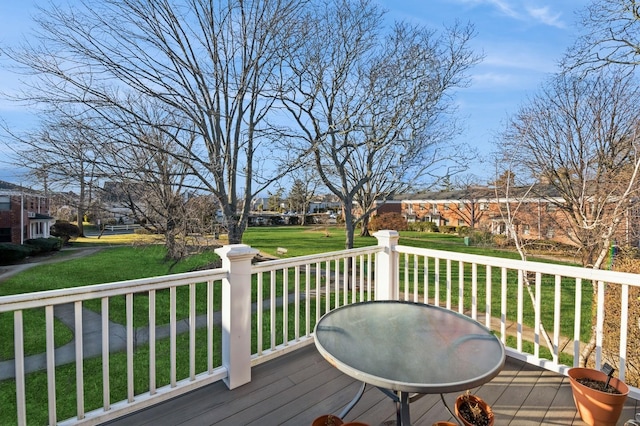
(7, 271)
(92, 327)
(92, 339)
(91, 321)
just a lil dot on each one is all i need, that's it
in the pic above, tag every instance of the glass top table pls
(408, 347)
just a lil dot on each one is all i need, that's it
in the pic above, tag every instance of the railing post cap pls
(236, 251)
(386, 233)
(387, 237)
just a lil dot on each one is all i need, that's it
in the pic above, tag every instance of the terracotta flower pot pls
(327, 420)
(444, 424)
(597, 407)
(474, 401)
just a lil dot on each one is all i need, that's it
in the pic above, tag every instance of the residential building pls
(534, 212)
(24, 214)
(325, 203)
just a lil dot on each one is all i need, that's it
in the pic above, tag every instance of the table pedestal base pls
(353, 402)
(402, 401)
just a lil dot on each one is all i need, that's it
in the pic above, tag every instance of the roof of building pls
(483, 193)
(8, 188)
(43, 216)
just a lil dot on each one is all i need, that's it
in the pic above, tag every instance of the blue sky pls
(522, 41)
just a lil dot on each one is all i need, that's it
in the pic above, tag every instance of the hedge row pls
(13, 253)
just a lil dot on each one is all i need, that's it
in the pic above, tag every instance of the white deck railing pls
(184, 331)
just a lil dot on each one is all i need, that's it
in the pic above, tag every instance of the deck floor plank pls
(294, 389)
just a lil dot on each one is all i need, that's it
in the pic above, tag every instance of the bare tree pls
(373, 111)
(303, 190)
(65, 153)
(610, 36)
(470, 195)
(275, 199)
(580, 137)
(153, 182)
(212, 62)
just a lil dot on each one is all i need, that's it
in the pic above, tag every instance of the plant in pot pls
(473, 410)
(599, 397)
(327, 420)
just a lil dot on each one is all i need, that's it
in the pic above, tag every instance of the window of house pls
(461, 222)
(484, 206)
(551, 207)
(446, 206)
(526, 229)
(460, 206)
(5, 235)
(550, 233)
(5, 203)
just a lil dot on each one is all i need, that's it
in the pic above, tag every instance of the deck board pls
(294, 389)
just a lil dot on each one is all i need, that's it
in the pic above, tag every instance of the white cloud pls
(523, 59)
(492, 79)
(522, 11)
(545, 16)
(504, 7)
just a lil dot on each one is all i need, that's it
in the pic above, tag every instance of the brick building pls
(24, 214)
(535, 212)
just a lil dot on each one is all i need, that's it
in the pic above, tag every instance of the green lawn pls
(133, 261)
(113, 264)
(301, 240)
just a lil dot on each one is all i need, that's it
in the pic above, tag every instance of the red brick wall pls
(11, 218)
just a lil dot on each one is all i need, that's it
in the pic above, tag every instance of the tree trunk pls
(349, 229)
(80, 220)
(364, 226)
(234, 231)
(173, 253)
(80, 209)
(586, 352)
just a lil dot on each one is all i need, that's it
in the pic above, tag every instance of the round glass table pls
(405, 348)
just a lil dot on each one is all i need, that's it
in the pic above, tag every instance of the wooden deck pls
(296, 388)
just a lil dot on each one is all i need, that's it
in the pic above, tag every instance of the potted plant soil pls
(473, 411)
(599, 397)
(327, 420)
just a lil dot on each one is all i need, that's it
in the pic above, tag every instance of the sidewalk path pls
(92, 326)
(92, 337)
(7, 271)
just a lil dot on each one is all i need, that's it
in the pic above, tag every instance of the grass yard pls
(109, 265)
(301, 240)
(132, 260)
(134, 256)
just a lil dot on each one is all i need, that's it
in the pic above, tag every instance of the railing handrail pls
(268, 265)
(49, 297)
(123, 227)
(93, 291)
(529, 266)
(330, 284)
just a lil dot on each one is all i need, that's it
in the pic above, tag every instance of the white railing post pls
(386, 266)
(236, 313)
